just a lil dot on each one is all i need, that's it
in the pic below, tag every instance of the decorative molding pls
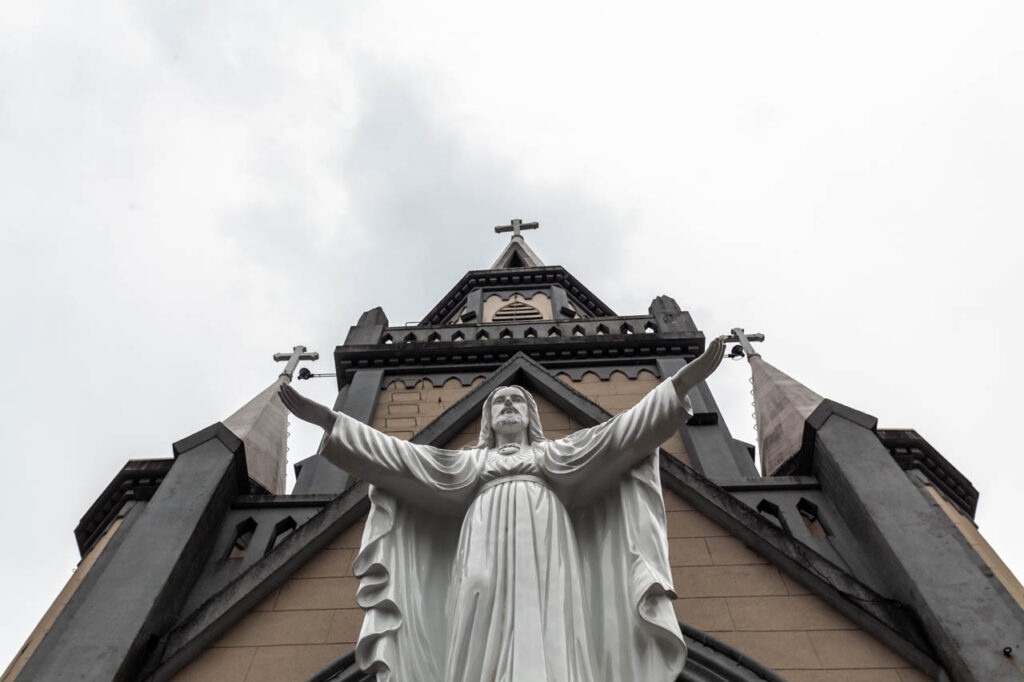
(453, 302)
(137, 480)
(912, 452)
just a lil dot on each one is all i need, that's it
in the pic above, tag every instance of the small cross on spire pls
(744, 339)
(516, 225)
(297, 355)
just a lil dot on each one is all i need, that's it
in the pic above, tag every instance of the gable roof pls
(517, 254)
(885, 619)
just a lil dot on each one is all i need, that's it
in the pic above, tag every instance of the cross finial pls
(741, 337)
(298, 354)
(516, 225)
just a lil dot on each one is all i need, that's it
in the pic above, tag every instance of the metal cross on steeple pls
(297, 355)
(516, 225)
(744, 339)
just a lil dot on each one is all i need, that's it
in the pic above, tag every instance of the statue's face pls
(509, 411)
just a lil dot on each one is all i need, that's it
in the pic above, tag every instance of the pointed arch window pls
(243, 536)
(282, 529)
(517, 311)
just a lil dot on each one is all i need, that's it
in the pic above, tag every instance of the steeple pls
(781, 406)
(517, 254)
(262, 426)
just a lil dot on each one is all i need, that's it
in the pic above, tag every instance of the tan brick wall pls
(730, 592)
(980, 544)
(401, 411)
(619, 393)
(303, 626)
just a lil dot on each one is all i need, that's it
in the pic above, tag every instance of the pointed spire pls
(781, 406)
(262, 426)
(517, 254)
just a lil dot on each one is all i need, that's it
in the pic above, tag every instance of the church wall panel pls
(50, 617)
(730, 592)
(980, 545)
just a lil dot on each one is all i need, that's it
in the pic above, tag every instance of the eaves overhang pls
(488, 354)
(455, 299)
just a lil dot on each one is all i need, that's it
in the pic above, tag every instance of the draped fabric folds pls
(552, 565)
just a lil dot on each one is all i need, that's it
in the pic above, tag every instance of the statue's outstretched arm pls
(414, 472)
(590, 460)
(306, 409)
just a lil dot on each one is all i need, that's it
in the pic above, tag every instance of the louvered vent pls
(517, 311)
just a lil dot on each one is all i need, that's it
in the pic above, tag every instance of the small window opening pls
(809, 513)
(517, 311)
(482, 335)
(434, 338)
(578, 331)
(243, 536)
(388, 339)
(626, 328)
(409, 338)
(505, 334)
(282, 529)
(458, 336)
(650, 328)
(530, 333)
(602, 330)
(771, 511)
(554, 331)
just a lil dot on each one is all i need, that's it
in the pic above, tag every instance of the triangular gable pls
(884, 619)
(587, 304)
(517, 254)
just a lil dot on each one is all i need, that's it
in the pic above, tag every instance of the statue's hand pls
(306, 409)
(700, 369)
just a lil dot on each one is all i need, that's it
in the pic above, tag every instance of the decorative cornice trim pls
(454, 300)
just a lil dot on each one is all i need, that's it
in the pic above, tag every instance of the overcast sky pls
(188, 188)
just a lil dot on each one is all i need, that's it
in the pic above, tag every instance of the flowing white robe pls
(551, 564)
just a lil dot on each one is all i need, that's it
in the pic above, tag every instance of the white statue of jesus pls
(522, 559)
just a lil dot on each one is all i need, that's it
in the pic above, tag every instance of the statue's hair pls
(534, 432)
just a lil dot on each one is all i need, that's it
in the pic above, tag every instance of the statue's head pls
(509, 410)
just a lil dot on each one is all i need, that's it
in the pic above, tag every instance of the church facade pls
(850, 554)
